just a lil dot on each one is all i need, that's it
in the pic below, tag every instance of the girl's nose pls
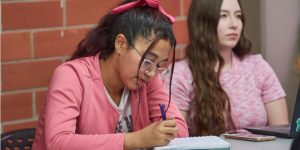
(233, 23)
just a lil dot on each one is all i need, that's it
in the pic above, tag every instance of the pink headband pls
(151, 3)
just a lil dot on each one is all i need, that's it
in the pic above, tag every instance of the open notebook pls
(203, 142)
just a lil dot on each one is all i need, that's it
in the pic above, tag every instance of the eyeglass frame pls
(157, 69)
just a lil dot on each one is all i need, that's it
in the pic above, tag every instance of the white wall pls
(280, 34)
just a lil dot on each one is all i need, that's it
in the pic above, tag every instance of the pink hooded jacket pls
(78, 115)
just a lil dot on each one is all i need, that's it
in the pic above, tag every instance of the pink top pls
(78, 115)
(250, 84)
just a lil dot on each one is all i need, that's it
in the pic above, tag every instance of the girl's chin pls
(135, 83)
(134, 86)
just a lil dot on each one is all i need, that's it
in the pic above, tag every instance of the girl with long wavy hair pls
(220, 86)
(107, 95)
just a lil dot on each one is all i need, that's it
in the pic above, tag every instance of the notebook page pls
(203, 142)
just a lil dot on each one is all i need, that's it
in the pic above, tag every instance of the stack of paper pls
(203, 142)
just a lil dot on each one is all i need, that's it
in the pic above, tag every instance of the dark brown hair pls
(137, 22)
(210, 108)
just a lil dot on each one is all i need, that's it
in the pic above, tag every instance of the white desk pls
(278, 144)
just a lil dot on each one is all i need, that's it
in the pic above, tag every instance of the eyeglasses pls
(148, 66)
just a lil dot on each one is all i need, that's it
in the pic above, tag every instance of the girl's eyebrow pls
(238, 12)
(155, 56)
(227, 11)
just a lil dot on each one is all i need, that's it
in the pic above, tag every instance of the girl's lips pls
(232, 33)
(232, 36)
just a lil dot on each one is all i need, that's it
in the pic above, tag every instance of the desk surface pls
(278, 144)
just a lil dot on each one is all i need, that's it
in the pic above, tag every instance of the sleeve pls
(63, 108)
(181, 87)
(157, 94)
(271, 88)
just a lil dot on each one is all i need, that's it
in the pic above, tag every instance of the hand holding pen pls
(158, 133)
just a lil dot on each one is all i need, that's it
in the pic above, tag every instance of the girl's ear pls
(121, 44)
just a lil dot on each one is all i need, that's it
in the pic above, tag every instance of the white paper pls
(203, 142)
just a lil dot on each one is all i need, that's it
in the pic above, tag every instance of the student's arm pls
(184, 114)
(182, 88)
(273, 94)
(277, 112)
(62, 111)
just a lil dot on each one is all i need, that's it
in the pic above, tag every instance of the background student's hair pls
(140, 21)
(211, 106)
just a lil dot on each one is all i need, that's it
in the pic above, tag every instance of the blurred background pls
(39, 35)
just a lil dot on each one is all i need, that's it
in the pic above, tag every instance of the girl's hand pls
(156, 134)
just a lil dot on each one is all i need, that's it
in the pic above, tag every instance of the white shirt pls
(125, 118)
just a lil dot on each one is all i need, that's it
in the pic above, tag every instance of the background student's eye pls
(239, 16)
(223, 15)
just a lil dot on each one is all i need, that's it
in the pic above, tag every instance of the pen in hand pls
(163, 112)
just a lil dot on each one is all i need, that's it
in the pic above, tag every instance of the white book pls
(201, 142)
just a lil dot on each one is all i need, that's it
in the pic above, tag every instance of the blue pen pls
(163, 112)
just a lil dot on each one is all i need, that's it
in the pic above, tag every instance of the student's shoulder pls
(182, 62)
(182, 70)
(181, 65)
(70, 65)
(256, 64)
(81, 66)
(254, 60)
